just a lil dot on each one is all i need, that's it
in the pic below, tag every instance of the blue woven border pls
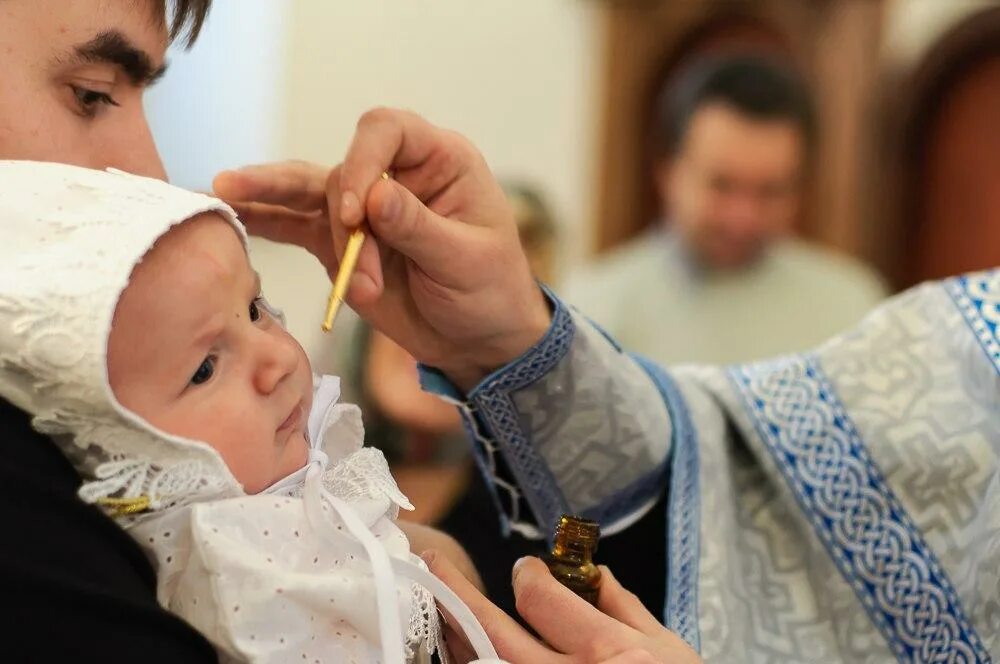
(680, 611)
(496, 409)
(855, 513)
(973, 306)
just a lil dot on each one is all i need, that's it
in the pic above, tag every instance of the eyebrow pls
(112, 47)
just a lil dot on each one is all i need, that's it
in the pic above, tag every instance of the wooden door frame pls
(641, 36)
(909, 104)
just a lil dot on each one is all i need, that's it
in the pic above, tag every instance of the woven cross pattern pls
(852, 509)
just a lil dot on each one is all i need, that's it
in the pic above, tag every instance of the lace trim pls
(424, 630)
(166, 487)
(170, 474)
(364, 474)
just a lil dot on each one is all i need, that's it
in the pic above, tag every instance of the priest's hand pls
(618, 631)
(443, 274)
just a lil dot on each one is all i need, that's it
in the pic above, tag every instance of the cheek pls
(236, 427)
(303, 371)
(36, 135)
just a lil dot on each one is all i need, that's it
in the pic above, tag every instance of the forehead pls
(182, 279)
(723, 135)
(183, 284)
(194, 254)
(55, 25)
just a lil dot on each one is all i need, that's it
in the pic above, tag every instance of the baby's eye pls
(254, 310)
(204, 371)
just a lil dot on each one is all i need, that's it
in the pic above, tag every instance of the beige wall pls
(913, 26)
(275, 80)
(515, 76)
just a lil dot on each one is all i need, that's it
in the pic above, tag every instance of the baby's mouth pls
(293, 418)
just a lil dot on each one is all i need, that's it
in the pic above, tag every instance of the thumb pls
(401, 222)
(619, 603)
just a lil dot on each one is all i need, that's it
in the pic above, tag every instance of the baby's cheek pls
(299, 453)
(238, 438)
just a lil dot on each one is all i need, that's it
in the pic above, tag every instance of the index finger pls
(511, 641)
(565, 621)
(385, 139)
(297, 185)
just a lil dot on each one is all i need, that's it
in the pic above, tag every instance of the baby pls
(133, 328)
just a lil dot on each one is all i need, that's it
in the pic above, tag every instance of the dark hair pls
(186, 18)
(753, 86)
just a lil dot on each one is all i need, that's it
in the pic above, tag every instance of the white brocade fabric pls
(314, 568)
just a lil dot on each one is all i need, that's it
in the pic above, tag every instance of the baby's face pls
(194, 353)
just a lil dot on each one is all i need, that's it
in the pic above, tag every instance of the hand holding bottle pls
(618, 631)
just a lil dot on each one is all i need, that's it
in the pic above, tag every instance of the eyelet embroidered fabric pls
(300, 571)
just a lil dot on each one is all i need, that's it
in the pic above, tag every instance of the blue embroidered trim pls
(486, 466)
(855, 513)
(977, 296)
(683, 513)
(496, 410)
(434, 381)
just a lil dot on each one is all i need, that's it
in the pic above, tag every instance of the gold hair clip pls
(117, 507)
(347, 265)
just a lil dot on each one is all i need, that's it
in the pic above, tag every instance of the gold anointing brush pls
(347, 265)
(343, 280)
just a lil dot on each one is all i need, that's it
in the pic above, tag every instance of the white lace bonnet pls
(71, 237)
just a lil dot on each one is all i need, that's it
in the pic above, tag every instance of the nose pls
(745, 215)
(131, 147)
(276, 359)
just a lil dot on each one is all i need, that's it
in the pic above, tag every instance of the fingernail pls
(518, 566)
(428, 556)
(222, 177)
(349, 204)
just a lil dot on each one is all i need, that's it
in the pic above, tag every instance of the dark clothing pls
(636, 556)
(79, 589)
(76, 587)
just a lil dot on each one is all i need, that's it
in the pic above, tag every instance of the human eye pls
(89, 102)
(205, 371)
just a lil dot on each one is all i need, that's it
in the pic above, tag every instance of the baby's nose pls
(277, 360)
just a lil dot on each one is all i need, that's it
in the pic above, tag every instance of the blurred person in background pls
(720, 279)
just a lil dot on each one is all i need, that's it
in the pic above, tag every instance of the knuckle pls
(528, 598)
(375, 116)
(598, 647)
(459, 144)
(630, 596)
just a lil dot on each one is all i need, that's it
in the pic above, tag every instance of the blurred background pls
(559, 93)
(710, 180)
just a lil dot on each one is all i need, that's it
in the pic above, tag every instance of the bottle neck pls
(574, 551)
(575, 539)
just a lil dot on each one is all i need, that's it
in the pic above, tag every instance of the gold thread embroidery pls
(124, 506)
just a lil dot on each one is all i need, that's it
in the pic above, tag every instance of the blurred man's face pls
(73, 78)
(734, 185)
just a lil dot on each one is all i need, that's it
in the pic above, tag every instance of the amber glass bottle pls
(570, 560)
